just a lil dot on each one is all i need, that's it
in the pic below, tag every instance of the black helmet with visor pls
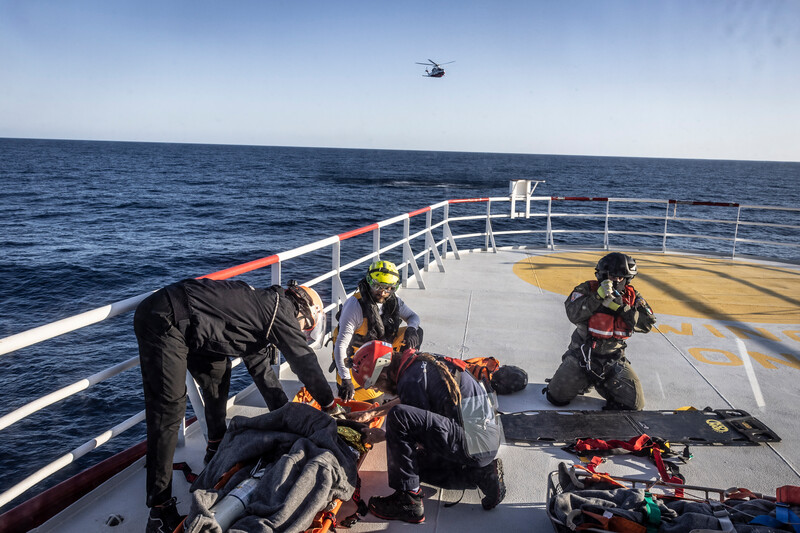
(616, 265)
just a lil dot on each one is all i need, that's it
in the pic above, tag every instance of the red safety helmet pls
(369, 361)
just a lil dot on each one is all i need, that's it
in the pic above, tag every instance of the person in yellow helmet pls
(374, 312)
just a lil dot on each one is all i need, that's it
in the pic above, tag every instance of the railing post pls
(489, 233)
(528, 205)
(445, 228)
(549, 235)
(736, 232)
(428, 241)
(605, 232)
(338, 292)
(276, 273)
(376, 243)
(408, 256)
(198, 406)
(666, 221)
(430, 246)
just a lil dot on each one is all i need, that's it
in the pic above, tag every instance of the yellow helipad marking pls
(698, 287)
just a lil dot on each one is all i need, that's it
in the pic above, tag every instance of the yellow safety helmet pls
(383, 274)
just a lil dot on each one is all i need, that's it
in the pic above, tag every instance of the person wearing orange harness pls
(605, 311)
(374, 312)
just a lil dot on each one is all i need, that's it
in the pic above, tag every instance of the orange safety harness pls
(641, 445)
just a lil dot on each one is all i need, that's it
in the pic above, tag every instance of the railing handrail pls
(338, 293)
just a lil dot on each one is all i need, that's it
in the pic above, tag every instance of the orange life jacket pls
(603, 325)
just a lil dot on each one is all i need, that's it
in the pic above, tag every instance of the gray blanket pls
(308, 466)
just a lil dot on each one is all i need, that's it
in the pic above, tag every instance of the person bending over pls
(441, 429)
(198, 325)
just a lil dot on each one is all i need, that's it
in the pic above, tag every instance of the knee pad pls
(553, 400)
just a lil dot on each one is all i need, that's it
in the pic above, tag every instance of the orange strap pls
(636, 444)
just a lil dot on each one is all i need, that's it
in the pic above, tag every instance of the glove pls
(605, 289)
(346, 389)
(336, 411)
(411, 338)
(610, 303)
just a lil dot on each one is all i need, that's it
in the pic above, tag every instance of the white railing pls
(432, 252)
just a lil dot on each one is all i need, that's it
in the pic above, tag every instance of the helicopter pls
(437, 71)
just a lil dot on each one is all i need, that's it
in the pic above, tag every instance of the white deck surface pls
(481, 307)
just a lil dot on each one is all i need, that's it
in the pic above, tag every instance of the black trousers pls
(164, 359)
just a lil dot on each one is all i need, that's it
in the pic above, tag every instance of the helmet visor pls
(378, 286)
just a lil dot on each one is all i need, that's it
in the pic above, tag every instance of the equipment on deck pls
(730, 427)
(581, 500)
(503, 379)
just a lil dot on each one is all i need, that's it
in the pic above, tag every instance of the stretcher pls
(326, 519)
(728, 427)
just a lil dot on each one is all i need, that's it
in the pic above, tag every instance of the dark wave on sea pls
(84, 224)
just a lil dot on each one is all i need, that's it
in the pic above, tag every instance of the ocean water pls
(84, 224)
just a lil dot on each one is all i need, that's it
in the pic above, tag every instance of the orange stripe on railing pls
(355, 232)
(241, 269)
(467, 200)
(419, 211)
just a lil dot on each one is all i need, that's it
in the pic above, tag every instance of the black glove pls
(411, 338)
(346, 390)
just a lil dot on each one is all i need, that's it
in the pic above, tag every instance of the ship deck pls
(727, 337)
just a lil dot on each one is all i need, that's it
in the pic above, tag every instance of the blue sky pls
(696, 79)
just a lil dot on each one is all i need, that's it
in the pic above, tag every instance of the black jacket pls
(233, 319)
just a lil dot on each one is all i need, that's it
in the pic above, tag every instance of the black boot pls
(402, 505)
(164, 518)
(211, 450)
(490, 481)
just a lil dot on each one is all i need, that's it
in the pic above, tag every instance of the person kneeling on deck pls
(441, 429)
(606, 311)
(198, 324)
(374, 312)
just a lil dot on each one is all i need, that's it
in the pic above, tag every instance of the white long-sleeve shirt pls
(351, 319)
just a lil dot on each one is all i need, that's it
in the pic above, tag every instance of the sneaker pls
(490, 481)
(164, 518)
(402, 505)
